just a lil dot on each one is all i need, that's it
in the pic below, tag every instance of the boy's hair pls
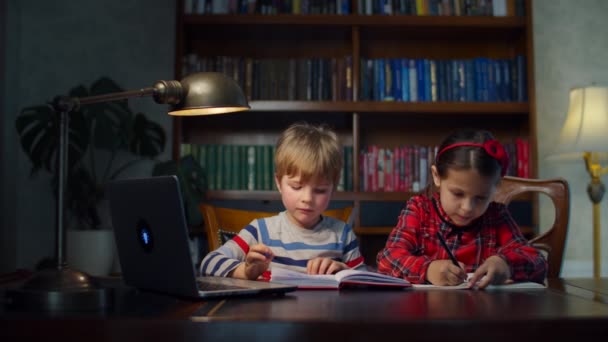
(465, 157)
(311, 151)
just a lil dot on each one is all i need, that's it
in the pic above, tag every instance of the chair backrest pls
(228, 221)
(553, 240)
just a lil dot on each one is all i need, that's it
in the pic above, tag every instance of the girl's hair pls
(312, 152)
(472, 149)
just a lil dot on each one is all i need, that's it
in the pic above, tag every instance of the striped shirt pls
(291, 245)
(413, 244)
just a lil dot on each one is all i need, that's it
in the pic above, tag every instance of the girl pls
(480, 233)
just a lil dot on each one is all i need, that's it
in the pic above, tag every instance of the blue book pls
(397, 79)
(388, 80)
(405, 80)
(469, 76)
(522, 89)
(413, 80)
(427, 80)
(491, 75)
(381, 83)
(420, 79)
(506, 77)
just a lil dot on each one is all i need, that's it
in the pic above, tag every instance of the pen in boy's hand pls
(447, 249)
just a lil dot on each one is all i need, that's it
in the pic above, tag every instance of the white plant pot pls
(90, 251)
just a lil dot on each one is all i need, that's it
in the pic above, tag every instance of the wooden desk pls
(596, 289)
(438, 315)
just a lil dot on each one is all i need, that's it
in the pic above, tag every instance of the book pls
(465, 285)
(342, 279)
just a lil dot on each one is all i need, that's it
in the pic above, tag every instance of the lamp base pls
(59, 290)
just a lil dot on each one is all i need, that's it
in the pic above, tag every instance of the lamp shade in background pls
(585, 136)
(586, 126)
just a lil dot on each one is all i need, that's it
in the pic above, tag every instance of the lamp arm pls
(163, 92)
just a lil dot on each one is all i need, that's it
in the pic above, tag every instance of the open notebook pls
(465, 285)
(345, 278)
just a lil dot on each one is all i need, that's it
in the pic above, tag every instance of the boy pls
(308, 161)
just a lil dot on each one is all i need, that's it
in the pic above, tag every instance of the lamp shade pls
(586, 126)
(208, 93)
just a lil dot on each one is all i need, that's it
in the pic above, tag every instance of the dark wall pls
(4, 237)
(48, 47)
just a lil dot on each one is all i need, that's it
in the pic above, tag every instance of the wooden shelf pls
(528, 231)
(372, 230)
(358, 123)
(403, 108)
(433, 22)
(338, 196)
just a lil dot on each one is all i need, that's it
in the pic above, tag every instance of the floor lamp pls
(585, 132)
(62, 288)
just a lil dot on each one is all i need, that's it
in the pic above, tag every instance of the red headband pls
(492, 147)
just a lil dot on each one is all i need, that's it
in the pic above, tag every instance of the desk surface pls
(562, 310)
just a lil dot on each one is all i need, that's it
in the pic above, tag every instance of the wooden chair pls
(553, 240)
(225, 221)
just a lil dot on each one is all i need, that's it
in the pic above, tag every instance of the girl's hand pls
(493, 271)
(444, 272)
(322, 265)
(257, 261)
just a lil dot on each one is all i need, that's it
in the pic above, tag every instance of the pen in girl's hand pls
(447, 249)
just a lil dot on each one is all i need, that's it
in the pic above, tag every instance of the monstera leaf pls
(38, 129)
(125, 138)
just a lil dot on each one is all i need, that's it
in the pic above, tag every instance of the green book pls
(227, 167)
(202, 156)
(243, 167)
(235, 165)
(219, 167)
(259, 167)
(251, 168)
(211, 162)
(267, 167)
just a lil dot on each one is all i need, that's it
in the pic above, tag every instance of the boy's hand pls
(256, 262)
(322, 265)
(444, 272)
(493, 271)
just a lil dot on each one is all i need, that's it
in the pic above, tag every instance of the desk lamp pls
(585, 132)
(65, 289)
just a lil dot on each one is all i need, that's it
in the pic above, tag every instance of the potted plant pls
(104, 140)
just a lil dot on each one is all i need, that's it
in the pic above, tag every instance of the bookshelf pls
(359, 121)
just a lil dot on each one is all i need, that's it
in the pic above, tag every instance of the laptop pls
(153, 244)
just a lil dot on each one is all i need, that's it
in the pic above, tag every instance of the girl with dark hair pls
(480, 234)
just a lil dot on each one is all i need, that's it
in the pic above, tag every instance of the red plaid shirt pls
(413, 244)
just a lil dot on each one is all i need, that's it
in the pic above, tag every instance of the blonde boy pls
(308, 161)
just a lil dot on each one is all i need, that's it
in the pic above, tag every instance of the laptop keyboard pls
(203, 286)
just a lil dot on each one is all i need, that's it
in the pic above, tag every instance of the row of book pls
(382, 79)
(456, 80)
(249, 167)
(407, 168)
(268, 7)
(364, 7)
(306, 79)
(443, 7)
(400, 168)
